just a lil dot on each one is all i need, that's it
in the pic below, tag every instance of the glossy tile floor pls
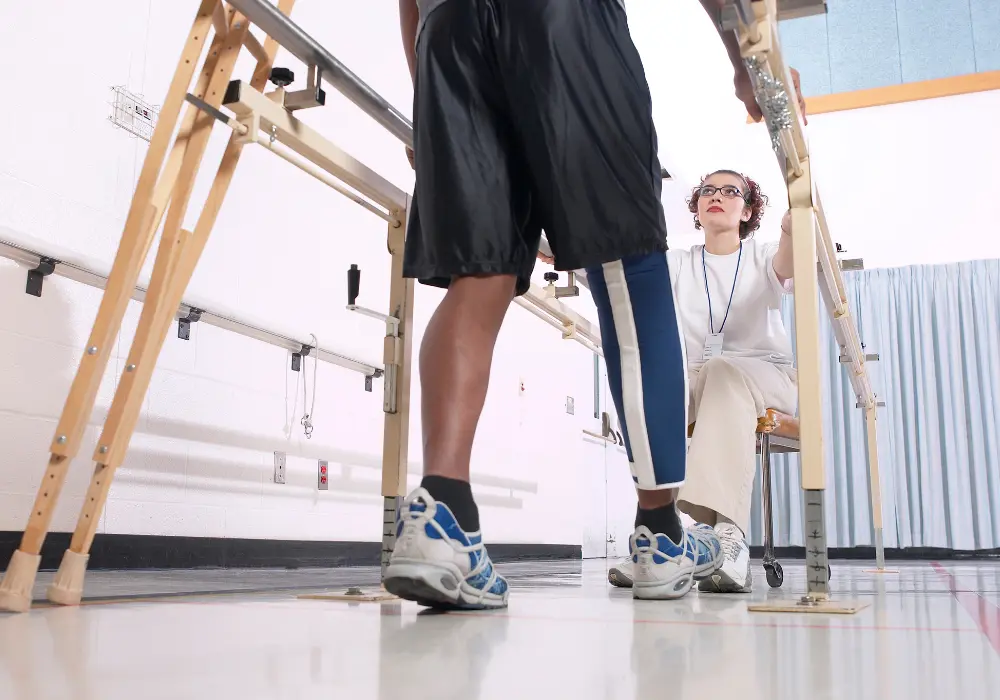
(932, 631)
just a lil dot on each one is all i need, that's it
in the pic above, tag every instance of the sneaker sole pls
(720, 582)
(435, 586)
(672, 589)
(618, 579)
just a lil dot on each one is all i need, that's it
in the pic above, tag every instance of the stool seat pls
(778, 424)
(774, 423)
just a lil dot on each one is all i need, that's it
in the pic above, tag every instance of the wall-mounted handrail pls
(83, 274)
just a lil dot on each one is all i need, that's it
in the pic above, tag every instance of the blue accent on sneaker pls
(446, 522)
(481, 579)
(703, 547)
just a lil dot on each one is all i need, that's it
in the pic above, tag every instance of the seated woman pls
(739, 357)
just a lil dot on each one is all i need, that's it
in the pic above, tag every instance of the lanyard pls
(704, 269)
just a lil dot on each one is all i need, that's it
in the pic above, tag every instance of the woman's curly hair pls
(753, 197)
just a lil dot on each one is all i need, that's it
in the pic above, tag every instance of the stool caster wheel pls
(775, 576)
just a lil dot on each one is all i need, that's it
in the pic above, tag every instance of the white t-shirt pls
(753, 327)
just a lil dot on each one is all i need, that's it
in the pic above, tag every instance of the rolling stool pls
(777, 433)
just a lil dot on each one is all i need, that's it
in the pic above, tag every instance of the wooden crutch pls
(166, 286)
(144, 214)
(176, 261)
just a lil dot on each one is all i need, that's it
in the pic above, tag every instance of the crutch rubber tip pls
(15, 590)
(67, 587)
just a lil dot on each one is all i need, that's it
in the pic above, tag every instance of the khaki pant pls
(728, 394)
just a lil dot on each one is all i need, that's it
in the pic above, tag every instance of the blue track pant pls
(647, 373)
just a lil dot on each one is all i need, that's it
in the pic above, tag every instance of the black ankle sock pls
(663, 520)
(458, 496)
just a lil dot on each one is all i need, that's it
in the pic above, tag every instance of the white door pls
(620, 498)
(594, 471)
(609, 492)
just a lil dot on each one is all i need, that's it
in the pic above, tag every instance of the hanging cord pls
(307, 417)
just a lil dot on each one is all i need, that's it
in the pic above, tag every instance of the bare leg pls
(455, 360)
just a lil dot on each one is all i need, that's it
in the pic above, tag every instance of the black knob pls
(282, 76)
(551, 276)
(353, 285)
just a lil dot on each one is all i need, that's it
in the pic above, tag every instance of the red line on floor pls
(983, 612)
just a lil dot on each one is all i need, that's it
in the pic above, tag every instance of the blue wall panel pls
(864, 45)
(935, 39)
(986, 33)
(861, 44)
(804, 44)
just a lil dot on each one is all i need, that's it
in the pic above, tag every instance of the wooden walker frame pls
(816, 270)
(163, 192)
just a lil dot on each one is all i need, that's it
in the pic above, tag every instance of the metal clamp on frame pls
(392, 355)
(570, 290)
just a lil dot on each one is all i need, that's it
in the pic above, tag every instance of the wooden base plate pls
(825, 607)
(353, 595)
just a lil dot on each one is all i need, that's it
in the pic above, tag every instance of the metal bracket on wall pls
(297, 357)
(36, 276)
(184, 323)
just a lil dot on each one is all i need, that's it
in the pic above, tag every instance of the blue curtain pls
(936, 329)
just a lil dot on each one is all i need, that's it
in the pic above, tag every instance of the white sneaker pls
(439, 565)
(620, 575)
(664, 569)
(734, 576)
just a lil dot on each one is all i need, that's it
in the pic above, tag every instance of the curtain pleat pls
(936, 329)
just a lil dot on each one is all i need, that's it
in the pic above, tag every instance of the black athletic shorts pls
(530, 115)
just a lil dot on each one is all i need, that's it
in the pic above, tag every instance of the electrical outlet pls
(323, 478)
(279, 467)
(570, 405)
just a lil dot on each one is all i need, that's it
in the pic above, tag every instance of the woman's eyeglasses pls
(727, 191)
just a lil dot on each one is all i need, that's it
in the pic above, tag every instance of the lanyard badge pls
(713, 343)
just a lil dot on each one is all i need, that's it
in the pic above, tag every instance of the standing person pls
(531, 115)
(729, 294)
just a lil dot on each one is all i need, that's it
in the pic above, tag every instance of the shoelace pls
(732, 543)
(700, 536)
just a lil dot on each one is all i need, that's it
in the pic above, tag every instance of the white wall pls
(200, 463)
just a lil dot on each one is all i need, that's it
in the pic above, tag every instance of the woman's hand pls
(409, 157)
(783, 262)
(798, 94)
